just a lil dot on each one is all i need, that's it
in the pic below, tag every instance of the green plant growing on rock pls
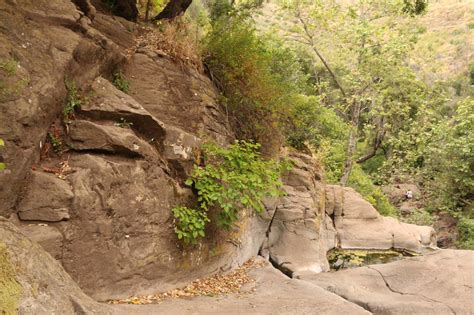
(9, 66)
(230, 180)
(192, 224)
(56, 143)
(73, 101)
(123, 123)
(121, 82)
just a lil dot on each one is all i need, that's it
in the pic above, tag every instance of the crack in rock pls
(407, 293)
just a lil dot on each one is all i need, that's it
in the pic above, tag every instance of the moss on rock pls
(10, 288)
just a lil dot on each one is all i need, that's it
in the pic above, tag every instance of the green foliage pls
(311, 123)
(466, 233)
(121, 82)
(248, 71)
(191, 224)
(414, 7)
(229, 179)
(56, 143)
(73, 101)
(364, 185)
(9, 66)
(420, 217)
(123, 123)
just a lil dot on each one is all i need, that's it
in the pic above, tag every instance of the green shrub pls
(120, 82)
(362, 183)
(229, 180)
(73, 102)
(311, 123)
(419, 217)
(56, 143)
(192, 224)
(466, 233)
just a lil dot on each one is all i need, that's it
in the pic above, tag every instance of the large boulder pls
(436, 283)
(358, 225)
(125, 173)
(33, 282)
(296, 241)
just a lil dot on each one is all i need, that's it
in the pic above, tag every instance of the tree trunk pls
(376, 143)
(173, 9)
(126, 9)
(351, 146)
(147, 10)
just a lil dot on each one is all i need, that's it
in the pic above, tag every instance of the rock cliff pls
(95, 189)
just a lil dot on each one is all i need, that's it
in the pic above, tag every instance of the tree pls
(173, 9)
(371, 38)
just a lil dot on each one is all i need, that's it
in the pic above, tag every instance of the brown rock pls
(359, 225)
(48, 199)
(47, 236)
(45, 286)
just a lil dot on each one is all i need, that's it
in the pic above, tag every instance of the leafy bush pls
(311, 123)
(120, 82)
(419, 217)
(364, 185)
(230, 180)
(466, 233)
(192, 224)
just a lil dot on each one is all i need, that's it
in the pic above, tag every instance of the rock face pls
(35, 282)
(436, 283)
(42, 43)
(358, 225)
(296, 241)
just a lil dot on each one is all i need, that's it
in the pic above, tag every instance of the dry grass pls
(177, 40)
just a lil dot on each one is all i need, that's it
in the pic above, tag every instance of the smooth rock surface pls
(441, 282)
(358, 225)
(271, 293)
(297, 238)
(48, 199)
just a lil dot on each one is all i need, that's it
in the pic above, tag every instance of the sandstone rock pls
(86, 135)
(45, 287)
(297, 236)
(184, 99)
(53, 42)
(397, 192)
(436, 283)
(359, 225)
(271, 293)
(109, 103)
(47, 236)
(47, 199)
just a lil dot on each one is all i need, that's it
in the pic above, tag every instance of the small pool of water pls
(351, 258)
